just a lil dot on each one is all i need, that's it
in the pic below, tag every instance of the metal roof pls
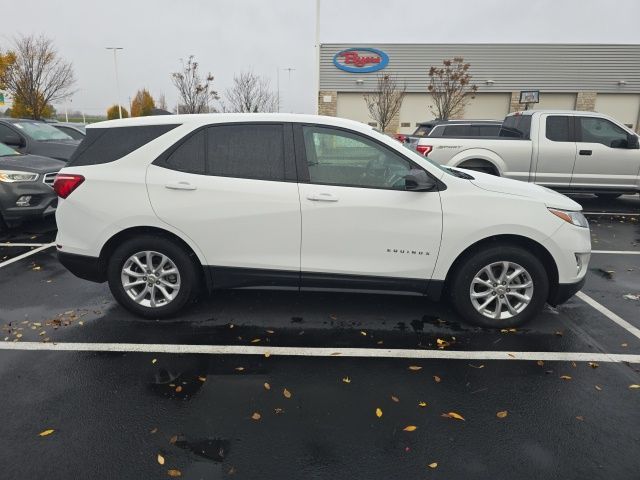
(511, 67)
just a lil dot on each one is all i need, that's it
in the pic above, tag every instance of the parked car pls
(452, 128)
(162, 207)
(36, 138)
(569, 151)
(74, 130)
(26, 186)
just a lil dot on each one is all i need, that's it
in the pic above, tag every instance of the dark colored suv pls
(36, 138)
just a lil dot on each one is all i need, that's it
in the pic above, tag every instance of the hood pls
(549, 197)
(61, 150)
(31, 163)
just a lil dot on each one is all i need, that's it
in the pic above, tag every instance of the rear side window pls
(189, 156)
(485, 130)
(516, 126)
(254, 151)
(558, 129)
(456, 131)
(104, 145)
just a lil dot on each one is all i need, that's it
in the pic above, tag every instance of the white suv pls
(163, 207)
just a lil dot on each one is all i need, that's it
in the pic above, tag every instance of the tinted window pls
(516, 126)
(246, 151)
(422, 130)
(456, 131)
(341, 158)
(599, 130)
(485, 130)
(189, 156)
(559, 129)
(104, 145)
(76, 135)
(6, 132)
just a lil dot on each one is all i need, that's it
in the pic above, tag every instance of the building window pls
(405, 124)
(372, 124)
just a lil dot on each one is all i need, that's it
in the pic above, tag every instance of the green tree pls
(142, 104)
(113, 112)
(6, 61)
(20, 110)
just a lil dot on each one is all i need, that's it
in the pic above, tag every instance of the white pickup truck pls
(569, 151)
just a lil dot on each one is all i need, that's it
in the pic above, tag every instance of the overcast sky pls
(228, 36)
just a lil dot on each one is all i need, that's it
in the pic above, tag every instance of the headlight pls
(10, 176)
(574, 218)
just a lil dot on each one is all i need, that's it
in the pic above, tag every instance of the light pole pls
(115, 66)
(289, 69)
(317, 95)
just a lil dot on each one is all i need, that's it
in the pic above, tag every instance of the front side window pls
(336, 157)
(600, 130)
(254, 151)
(7, 151)
(189, 156)
(559, 128)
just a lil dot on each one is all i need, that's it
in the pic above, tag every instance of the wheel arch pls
(516, 240)
(478, 155)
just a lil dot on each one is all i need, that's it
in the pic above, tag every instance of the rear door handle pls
(180, 186)
(322, 197)
(585, 152)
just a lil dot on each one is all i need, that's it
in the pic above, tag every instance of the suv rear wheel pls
(152, 277)
(500, 287)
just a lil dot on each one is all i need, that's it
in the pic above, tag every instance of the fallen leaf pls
(363, 333)
(256, 416)
(624, 344)
(565, 377)
(433, 465)
(46, 432)
(336, 353)
(436, 378)
(286, 393)
(395, 399)
(593, 365)
(256, 340)
(580, 417)
(267, 354)
(422, 404)
(174, 473)
(540, 363)
(160, 459)
(155, 430)
(634, 386)
(454, 415)
(346, 380)
(414, 368)
(278, 410)
(559, 334)
(154, 360)
(409, 428)
(239, 369)
(270, 332)
(502, 414)
(476, 366)
(178, 389)
(267, 386)
(202, 379)
(173, 439)
(378, 412)
(442, 343)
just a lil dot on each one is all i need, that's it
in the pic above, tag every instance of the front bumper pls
(564, 291)
(43, 203)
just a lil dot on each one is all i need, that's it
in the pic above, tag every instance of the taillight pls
(424, 149)
(65, 183)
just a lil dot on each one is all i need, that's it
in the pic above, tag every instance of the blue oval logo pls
(361, 60)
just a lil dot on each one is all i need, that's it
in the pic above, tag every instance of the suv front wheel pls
(500, 287)
(152, 276)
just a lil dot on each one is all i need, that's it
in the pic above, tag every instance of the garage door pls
(489, 106)
(353, 107)
(556, 101)
(622, 106)
(415, 109)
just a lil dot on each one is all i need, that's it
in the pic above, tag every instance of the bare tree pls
(195, 92)
(38, 76)
(385, 101)
(250, 93)
(161, 102)
(450, 87)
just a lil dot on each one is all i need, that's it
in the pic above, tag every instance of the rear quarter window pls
(104, 145)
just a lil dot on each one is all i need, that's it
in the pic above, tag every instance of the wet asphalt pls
(114, 413)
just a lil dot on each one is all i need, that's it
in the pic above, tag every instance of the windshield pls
(41, 131)
(7, 151)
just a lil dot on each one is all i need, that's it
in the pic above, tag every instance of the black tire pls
(460, 285)
(188, 274)
(608, 196)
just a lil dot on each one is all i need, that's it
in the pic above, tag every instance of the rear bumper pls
(82, 266)
(565, 291)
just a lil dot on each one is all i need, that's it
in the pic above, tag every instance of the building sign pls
(530, 96)
(361, 60)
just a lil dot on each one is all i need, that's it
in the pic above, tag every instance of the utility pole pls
(115, 66)
(317, 94)
(289, 69)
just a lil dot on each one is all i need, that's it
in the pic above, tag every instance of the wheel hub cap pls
(501, 290)
(150, 279)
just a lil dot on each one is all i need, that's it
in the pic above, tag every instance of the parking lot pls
(318, 384)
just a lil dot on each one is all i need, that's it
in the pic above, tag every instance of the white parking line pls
(609, 314)
(9, 244)
(617, 252)
(24, 255)
(618, 214)
(320, 352)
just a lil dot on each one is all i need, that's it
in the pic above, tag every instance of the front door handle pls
(585, 152)
(322, 197)
(180, 186)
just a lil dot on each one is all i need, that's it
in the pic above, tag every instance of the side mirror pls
(14, 141)
(632, 142)
(419, 181)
